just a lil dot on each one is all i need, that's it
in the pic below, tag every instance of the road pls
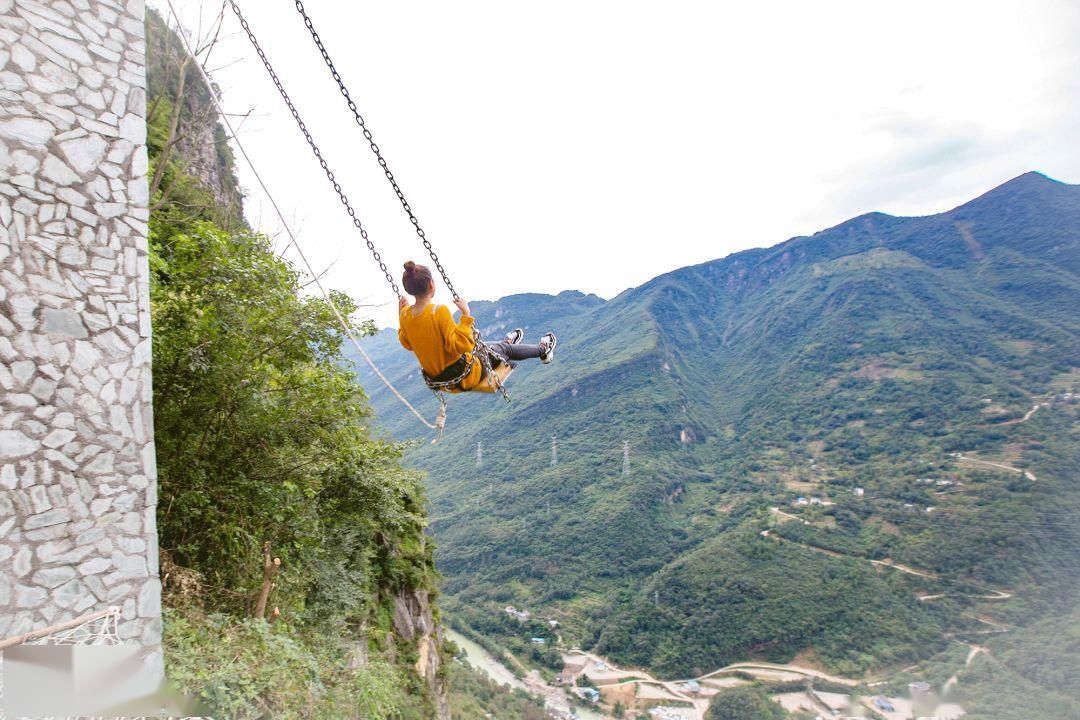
(1027, 416)
(789, 516)
(994, 595)
(555, 698)
(975, 650)
(889, 563)
(675, 690)
(1026, 473)
(805, 672)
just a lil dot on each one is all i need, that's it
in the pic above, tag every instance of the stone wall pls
(77, 471)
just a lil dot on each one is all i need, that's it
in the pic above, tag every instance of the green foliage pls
(263, 436)
(1033, 674)
(745, 702)
(182, 197)
(249, 669)
(743, 591)
(474, 696)
(857, 357)
(499, 633)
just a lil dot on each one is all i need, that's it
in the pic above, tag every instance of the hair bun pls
(410, 265)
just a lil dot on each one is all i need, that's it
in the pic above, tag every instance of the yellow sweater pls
(437, 341)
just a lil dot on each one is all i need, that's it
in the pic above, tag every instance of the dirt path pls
(997, 627)
(992, 594)
(617, 675)
(1026, 473)
(975, 650)
(775, 667)
(890, 563)
(1027, 416)
(675, 690)
(789, 516)
(887, 562)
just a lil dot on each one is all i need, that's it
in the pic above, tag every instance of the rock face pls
(199, 148)
(414, 622)
(78, 483)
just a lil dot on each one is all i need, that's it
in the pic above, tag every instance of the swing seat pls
(495, 379)
(491, 382)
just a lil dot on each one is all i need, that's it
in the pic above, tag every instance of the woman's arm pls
(457, 336)
(403, 305)
(463, 306)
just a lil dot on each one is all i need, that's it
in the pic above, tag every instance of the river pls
(485, 662)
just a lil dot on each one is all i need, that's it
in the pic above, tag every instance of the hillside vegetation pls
(298, 581)
(900, 356)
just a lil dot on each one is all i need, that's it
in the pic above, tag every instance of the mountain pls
(898, 355)
(276, 503)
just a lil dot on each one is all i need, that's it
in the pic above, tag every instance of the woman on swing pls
(442, 346)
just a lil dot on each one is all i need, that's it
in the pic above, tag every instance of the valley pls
(858, 444)
(687, 698)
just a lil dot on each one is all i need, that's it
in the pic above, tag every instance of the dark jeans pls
(513, 353)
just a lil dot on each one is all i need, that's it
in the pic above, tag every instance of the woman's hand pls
(402, 303)
(463, 306)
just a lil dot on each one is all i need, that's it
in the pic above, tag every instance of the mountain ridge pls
(1020, 184)
(860, 356)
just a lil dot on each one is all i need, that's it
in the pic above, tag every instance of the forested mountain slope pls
(902, 356)
(298, 581)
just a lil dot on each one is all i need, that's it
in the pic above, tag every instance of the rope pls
(281, 217)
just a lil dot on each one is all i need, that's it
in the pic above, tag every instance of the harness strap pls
(480, 352)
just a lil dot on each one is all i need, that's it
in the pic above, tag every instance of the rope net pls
(98, 628)
(101, 630)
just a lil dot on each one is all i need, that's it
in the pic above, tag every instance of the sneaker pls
(515, 336)
(547, 348)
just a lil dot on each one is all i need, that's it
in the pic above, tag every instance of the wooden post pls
(270, 568)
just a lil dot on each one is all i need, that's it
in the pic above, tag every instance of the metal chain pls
(315, 149)
(374, 147)
(480, 351)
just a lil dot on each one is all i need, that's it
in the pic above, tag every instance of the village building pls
(919, 689)
(520, 615)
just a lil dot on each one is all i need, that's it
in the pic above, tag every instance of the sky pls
(594, 145)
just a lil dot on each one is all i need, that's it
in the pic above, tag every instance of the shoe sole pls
(547, 356)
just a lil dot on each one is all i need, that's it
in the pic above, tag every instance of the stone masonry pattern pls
(78, 485)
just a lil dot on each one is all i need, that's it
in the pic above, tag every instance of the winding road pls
(675, 690)
(1027, 416)
(975, 650)
(992, 593)
(1026, 473)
